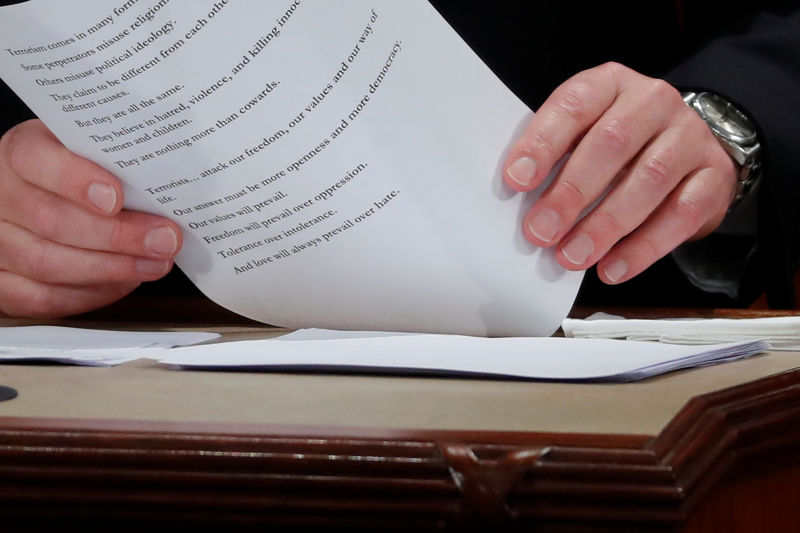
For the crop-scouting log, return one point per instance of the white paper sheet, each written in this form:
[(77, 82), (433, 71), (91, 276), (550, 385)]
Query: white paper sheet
[(91, 347), (550, 358), (783, 333), (332, 164)]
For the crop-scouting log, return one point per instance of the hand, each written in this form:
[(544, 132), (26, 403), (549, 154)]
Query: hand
[(65, 244), (667, 178)]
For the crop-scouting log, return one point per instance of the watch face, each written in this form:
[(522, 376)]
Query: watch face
[(725, 118)]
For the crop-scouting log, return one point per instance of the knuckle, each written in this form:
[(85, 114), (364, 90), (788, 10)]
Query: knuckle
[(614, 135), (613, 72), (690, 210), (570, 193), (571, 101), (660, 90), (69, 176), (115, 269), (649, 251), (117, 235), (13, 148), (35, 304), (45, 220), (26, 298), (539, 146), (612, 68), (608, 224), (657, 169), (35, 263)]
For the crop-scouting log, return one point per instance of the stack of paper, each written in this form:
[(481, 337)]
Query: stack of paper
[(783, 333), (89, 346), (544, 358)]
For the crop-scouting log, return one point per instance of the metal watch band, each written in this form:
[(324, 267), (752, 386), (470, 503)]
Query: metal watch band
[(745, 152)]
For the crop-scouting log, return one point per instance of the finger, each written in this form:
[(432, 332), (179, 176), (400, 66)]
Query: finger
[(698, 203), (561, 120), (610, 144), (62, 221), (23, 297), (34, 154), (28, 255), (654, 174)]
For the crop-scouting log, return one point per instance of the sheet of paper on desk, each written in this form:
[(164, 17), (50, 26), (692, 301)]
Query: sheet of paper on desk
[(331, 164), (545, 358), (782, 332), (90, 347)]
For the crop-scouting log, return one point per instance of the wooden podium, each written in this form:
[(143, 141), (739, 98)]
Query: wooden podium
[(709, 449)]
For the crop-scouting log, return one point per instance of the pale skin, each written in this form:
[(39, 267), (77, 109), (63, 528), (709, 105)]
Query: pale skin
[(67, 246), (670, 179)]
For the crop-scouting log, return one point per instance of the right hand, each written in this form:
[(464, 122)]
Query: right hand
[(667, 178), (66, 245)]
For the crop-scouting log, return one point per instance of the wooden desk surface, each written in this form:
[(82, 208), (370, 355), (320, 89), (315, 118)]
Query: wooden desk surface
[(428, 453), (145, 390)]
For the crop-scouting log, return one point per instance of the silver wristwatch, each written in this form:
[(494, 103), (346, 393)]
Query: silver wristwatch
[(735, 132)]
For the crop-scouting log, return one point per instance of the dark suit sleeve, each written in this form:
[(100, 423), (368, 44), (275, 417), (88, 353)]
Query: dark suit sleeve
[(12, 110), (760, 72)]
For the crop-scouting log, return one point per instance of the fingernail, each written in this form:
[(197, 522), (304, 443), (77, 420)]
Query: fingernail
[(615, 270), (152, 267), (578, 249), (522, 171), (161, 241), (102, 196), (545, 225)]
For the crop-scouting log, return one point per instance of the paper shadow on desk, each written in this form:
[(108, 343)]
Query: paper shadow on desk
[(416, 373)]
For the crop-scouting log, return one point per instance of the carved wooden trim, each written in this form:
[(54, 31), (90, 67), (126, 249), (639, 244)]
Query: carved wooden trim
[(109, 472), (485, 484)]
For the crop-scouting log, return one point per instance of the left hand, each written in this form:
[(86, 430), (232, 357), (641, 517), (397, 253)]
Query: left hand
[(668, 179), (66, 244)]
